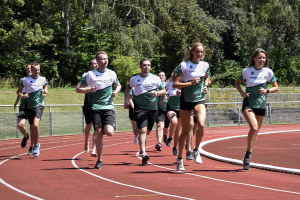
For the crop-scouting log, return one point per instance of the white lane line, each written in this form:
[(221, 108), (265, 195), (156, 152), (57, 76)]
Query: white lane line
[(220, 180), (12, 187), (27, 194), (239, 162), (123, 184), (259, 148)]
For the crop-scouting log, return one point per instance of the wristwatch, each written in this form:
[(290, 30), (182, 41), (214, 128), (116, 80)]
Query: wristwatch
[(268, 91)]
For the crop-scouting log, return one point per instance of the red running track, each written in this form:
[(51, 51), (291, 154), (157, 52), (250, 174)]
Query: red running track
[(64, 171)]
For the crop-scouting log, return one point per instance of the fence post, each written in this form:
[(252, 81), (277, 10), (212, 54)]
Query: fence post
[(17, 121), (269, 108), (239, 113), (82, 120), (207, 115), (50, 120), (115, 118)]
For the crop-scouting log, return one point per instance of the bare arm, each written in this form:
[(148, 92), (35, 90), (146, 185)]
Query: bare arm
[(275, 88), (130, 101), (127, 91), (82, 89), (237, 84), (20, 94), (117, 90), (179, 84)]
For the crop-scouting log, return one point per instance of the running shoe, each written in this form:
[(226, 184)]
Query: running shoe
[(169, 142), (197, 157), (30, 152), (24, 141), (175, 153), (165, 139), (158, 146), (246, 160), (136, 139), (189, 155), (36, 150), (145, 158), (98, 165), (180, 166)]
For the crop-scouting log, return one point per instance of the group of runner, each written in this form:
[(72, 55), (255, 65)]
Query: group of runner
[(178, 104)]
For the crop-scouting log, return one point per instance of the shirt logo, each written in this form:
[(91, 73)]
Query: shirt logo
[(191, 67), (30, 81), (138, 80), (252, 73)]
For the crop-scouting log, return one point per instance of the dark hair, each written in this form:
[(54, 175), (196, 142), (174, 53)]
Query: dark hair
[(92, 62), (256, 52), (144, 59)]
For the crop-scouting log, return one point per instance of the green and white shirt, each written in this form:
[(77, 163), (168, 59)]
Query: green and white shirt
[(143, 86), (188, 72), (34, 87), (255, 79), (87, 96), (101, 99), (164, 106), (174, 100)]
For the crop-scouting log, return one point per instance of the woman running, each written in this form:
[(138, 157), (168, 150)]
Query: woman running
[(257, 75), (192, 78), (173, 114)]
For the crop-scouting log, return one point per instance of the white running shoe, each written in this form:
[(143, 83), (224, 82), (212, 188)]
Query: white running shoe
[(180, 166), (197, 157), (136, 139)]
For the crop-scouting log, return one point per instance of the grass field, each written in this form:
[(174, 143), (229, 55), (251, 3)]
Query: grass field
[(69, 120)]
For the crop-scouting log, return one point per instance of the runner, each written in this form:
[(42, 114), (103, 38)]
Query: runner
[(35, 86), (192, 78), (257, 76), (162, 122), (145, 87), (87, 113), (100, 81), (173, 114), (132, 117), (22, 117)]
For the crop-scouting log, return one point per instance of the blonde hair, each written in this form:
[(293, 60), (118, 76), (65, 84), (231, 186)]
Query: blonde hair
[(256, 52), (34, 64), (172, 76), (100, 52), (189, 54)]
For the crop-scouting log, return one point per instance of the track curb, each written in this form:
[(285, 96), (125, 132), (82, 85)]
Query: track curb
[(239, 162)]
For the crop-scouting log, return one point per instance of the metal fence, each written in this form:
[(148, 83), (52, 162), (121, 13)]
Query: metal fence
[(72, 122)]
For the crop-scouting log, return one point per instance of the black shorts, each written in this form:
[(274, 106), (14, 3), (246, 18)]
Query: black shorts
[(101, 118), (22, 114), (131, 114), (162, 117), (190, 105), (145, 118), (87, 114), (33, 113), (170, 109), (256, 111)]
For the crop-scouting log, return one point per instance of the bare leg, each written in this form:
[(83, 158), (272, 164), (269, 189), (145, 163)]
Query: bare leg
[(142, 139), (185, 122), (21, 126), (200, 112), (255, 123), (35, 130), (159, 131), (99, 142), (87, 131)]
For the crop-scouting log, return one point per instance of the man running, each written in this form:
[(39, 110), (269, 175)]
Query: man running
[(87, 114), (35, 86), (22, 117), (100, 81), (145, 87)]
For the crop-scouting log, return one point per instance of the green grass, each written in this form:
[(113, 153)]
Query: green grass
[(68, 120)]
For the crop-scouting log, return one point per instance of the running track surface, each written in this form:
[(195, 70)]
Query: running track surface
[(64, 171)]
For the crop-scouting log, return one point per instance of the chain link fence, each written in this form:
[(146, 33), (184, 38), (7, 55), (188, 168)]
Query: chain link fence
[(72, 122)]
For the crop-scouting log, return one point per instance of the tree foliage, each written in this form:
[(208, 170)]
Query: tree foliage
[(65, 35)]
